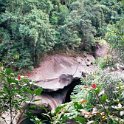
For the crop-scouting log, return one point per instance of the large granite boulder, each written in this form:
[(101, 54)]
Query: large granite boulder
[(56, 72)]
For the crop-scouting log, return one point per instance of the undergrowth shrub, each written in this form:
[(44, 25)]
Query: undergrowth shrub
[(15, 92), (99, 99), (115, 36), (104, 62)]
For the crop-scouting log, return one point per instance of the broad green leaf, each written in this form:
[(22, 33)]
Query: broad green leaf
[(97, 90), (58, 109), (80, 119), (103, 98), (38, 91), (77, 106), (8, 71), (11, 80)]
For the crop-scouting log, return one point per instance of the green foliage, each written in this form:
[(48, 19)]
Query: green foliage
[(115, 36), (104, 62), (30, 31), (12, 92), (59, 14), (30, 28), (15, 93), (93, 103), (68, 38)]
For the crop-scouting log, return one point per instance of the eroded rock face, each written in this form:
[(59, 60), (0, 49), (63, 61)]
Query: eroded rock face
[(55, 98), (55, 84), (50, 100), (57, 72), (56, 75)]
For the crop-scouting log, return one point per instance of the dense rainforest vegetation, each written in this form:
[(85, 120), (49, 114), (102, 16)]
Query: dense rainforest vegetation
[(29, 29)]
